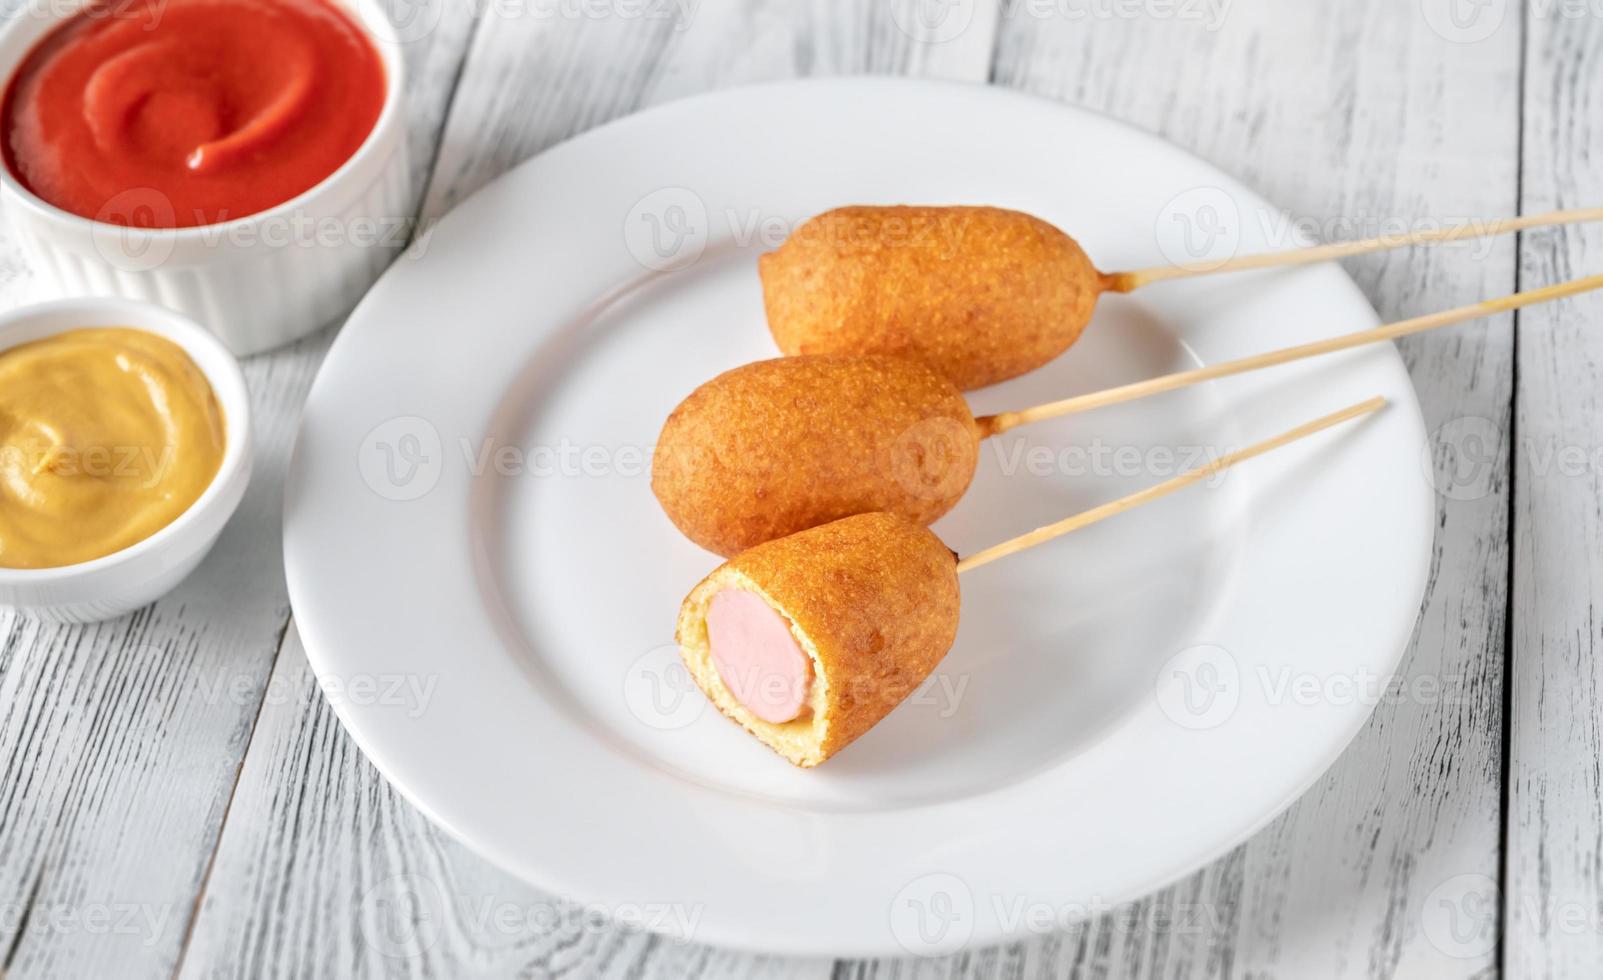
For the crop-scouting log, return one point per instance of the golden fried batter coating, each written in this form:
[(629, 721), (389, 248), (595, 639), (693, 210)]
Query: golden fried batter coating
[(980, 294), (872, 600), (779, 446)]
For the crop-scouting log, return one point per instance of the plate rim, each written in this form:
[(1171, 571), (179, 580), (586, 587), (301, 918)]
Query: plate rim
[(712, 930)]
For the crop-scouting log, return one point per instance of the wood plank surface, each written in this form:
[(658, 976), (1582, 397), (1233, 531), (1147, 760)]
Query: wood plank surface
[(120, 742), (177, 797), (1364, 110), (323, 869), (1553, 890)]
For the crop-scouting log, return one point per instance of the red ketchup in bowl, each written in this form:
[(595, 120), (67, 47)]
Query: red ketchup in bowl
[(191, 113)]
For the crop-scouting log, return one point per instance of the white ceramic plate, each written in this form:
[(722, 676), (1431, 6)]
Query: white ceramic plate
[(469, 515)]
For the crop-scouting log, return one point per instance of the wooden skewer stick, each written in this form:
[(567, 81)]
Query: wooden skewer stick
[(1124, 282), (991, 425), (1186, 479)]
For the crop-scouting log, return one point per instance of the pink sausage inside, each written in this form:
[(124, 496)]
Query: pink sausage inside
[(758, 659)]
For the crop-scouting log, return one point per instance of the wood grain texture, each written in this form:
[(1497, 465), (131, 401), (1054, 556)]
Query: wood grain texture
[(1553, 889), (120, 742), (123, 832), (531, 82), (1361, 110), (323, 869), (326, 871)]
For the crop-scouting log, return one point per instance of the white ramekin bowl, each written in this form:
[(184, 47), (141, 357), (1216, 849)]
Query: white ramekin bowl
[(127, 579), (257, 282)]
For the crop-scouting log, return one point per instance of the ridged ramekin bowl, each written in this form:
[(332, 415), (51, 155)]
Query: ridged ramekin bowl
[(257, 282), (140, 573)]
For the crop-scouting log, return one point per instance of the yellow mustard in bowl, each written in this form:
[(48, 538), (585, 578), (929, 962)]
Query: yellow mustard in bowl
[(107, 434)]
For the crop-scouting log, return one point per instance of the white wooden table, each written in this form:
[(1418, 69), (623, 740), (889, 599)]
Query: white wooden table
[(176, 797)]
